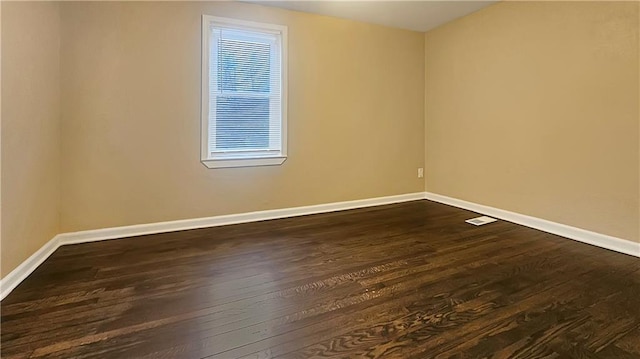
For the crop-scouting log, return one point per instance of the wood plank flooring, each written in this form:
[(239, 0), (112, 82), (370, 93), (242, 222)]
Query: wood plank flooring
[(410, 280)]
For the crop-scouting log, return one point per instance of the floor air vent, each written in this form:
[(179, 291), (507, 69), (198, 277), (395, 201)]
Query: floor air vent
[(480, 220)]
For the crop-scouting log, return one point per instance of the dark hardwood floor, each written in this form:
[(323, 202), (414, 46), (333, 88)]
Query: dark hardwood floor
[(410, 280)]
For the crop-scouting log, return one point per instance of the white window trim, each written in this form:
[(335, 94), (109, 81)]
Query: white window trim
[(267, 158)]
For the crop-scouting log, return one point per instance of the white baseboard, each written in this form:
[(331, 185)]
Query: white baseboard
[(11, 280), (16, 276), (578, 234), (180, 225)]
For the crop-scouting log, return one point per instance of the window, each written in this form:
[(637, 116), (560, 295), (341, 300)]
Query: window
[(244, 107)]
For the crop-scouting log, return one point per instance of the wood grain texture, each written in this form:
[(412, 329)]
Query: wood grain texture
[(408, 280)]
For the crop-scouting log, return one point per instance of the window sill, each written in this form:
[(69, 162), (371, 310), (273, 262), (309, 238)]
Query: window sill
[(244, 162)]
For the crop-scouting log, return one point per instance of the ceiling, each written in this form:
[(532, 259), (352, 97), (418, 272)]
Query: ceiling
[(411, 15)]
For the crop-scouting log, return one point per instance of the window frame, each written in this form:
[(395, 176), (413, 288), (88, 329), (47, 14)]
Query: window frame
[(241, 158)]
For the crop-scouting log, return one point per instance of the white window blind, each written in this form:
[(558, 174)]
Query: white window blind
[(244, 113)]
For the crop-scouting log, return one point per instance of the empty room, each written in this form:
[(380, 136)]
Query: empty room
[(320, 179)]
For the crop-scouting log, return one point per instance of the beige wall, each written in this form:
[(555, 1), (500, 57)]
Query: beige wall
[(529, 107), (30, 129), (131, 115), (533, 107)]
